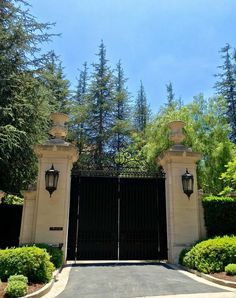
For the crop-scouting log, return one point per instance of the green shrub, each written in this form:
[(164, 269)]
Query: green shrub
[(211, 255), (182, 254), (13, 200), (230, 269), (32, 262), (56, 254), (18, 277), (16, 288), (220, 215)]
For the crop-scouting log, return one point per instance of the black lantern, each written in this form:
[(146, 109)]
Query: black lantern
[(51, 179), (187, 182)]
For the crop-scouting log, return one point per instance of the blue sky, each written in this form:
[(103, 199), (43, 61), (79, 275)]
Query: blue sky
[(157, 40)]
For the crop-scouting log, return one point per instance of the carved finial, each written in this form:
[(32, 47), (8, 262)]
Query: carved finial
[(176, 134), (58, 130)]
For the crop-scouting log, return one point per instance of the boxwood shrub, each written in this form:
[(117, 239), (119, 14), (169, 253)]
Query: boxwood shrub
[(32, 262), (230, 269), (18, 277), (220, 215), (16, 288), (211, 255), (56, 254)]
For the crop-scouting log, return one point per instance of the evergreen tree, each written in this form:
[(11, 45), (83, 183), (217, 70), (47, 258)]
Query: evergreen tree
[(122, 126), (58, 87), (171, 102), (79, 110), (24, 107), (141, 110), (100, 102), (226, 86)]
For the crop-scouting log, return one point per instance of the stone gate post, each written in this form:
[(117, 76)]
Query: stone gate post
[(45, 218), (183, 214)]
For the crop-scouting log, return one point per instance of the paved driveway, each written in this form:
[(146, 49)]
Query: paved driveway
[(133, 280)]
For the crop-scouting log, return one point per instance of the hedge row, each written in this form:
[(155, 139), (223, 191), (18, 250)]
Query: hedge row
[(220, 215), (211, 255)]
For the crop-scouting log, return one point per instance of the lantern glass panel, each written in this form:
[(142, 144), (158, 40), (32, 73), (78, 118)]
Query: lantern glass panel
[(187, 183), (51, 179)]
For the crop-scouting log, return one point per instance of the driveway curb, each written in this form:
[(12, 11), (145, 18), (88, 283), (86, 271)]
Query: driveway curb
[(44, 290), (208, 277)]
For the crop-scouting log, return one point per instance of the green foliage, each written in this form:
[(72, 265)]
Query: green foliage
[(182, 254), (206, 132), (121, 129), (141, 110), (13, 200), (230, 269), (79, 112), (19, 277), (226, 86), (57, 86), (220, 215), (56, 254), (32, 262), (229, 177), (16, 288), (100, 102), (211, 255), (24, 99)]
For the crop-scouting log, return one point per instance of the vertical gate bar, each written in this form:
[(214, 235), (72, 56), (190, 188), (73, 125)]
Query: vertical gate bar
[(158, 218), (118, 221), (77, 222)]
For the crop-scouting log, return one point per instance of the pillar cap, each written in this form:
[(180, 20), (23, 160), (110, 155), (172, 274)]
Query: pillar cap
[(178, 156)]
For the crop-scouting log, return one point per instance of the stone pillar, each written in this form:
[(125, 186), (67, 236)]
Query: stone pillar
[(183, 219), (26, 232), (45, 219)]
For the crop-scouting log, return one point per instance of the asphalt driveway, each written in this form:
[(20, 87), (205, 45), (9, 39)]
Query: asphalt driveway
[(131, 280)]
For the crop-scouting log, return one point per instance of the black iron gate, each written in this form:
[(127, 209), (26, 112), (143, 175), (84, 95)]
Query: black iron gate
[(117, 218), (10, 223)]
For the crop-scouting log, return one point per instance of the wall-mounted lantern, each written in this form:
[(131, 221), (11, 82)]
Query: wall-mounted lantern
[(187, 183), (51, 179)]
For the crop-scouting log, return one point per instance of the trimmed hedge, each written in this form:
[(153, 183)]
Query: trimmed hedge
[(220, 215), (16, 289), (230, 269), (56, 254), (19, 277), (32, 262), (16, 286), (211, 255)]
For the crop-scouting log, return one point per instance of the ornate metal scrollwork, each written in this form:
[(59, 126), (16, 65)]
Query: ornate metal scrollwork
[(122, 164)]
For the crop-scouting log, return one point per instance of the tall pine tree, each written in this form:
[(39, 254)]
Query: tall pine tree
[(171, 102), (80, 111), (122, 123), (100, 102), (57, 85), (141, 110), (226, 86)]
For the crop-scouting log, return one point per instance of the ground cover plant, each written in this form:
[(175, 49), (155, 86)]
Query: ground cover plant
[(211, 255)]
